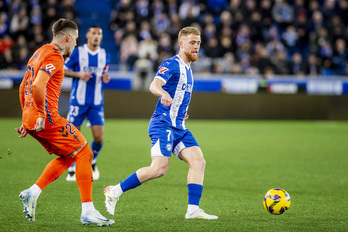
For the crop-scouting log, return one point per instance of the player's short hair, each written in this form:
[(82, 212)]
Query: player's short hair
[(93, 26), (63, 25), (188, 31)]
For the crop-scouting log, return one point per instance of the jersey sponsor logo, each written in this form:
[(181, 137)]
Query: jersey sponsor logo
[(163, 70), (187, 87), (92, 69), (50, 67)]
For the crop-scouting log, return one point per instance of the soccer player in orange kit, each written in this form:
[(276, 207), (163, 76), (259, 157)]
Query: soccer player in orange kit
[(39, 93)]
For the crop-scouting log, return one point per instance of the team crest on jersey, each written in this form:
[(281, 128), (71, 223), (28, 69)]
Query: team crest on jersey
[(169, 147), (163, 70)]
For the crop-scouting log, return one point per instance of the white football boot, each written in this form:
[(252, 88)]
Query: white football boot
[(110, 200), (29, 204), (200, 214), (95, 218)]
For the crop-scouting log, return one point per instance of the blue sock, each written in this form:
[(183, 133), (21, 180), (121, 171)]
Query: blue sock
[(130, 182), (194, 193), (96, 148)]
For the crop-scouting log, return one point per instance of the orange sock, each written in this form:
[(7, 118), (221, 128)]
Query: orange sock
[(84, 177), (53, 170)]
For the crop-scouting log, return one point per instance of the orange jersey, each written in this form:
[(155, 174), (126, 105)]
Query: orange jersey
[(49, 59)]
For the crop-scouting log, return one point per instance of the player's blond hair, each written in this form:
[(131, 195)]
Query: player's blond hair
[(188, 31)]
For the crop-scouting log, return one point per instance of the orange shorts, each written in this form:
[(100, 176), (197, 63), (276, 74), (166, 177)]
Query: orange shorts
[(62, 138)]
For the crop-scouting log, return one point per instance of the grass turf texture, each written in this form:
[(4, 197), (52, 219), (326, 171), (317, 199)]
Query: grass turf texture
[(244, 160)]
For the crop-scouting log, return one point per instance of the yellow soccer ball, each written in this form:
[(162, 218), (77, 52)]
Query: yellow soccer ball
[(277, 201)]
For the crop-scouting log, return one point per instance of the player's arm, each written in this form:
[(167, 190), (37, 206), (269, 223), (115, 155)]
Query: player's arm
[(22, 132), (106, 77), (21, 93), (81, 75), (39, 95), (157, 90)]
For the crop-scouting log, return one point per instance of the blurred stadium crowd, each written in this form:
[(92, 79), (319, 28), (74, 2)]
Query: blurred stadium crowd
[(296, 37), (26, 25)]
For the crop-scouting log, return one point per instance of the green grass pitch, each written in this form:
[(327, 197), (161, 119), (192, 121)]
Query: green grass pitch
[(245, 159)]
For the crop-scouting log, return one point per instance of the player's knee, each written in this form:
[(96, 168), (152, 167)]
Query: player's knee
[(199, 164), (159, 171)]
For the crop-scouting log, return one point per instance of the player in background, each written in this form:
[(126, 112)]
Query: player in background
[(173, 83), (39, 93), (88, 65)]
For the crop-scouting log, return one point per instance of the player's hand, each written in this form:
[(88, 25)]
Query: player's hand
[(186, 116), (40, 124), (22, 132), (166, 99), (84, 76), (106, 78)]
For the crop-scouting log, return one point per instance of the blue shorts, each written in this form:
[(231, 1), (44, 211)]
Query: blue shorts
[(94, 115), (166, 139)]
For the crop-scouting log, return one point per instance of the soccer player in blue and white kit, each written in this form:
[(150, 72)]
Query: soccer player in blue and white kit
[(173, 83), (88, 65)]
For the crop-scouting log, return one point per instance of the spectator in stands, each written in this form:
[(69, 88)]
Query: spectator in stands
[(339, 58), (266, 12), (263, 61), (225, 63), (188, 7), (283, 14), (317, 22), (174, 26), (281, 64), (297, 66), (161, 23), (3, 6), (299, 7), (143, 73), (275, 45), (165, 45), (4, 24), (312, 66), (20, 23), (36, 16), (328, 9), (148, 48), (326, 69), (290, 38), (342, 10), (325, 49), (212, 48), (256, 27), (128, 52), (303, 30), (6, 58), (226, 44), (142, 10)]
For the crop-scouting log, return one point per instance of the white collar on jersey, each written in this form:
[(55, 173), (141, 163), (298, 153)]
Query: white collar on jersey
[(182, 61), (90, 51)]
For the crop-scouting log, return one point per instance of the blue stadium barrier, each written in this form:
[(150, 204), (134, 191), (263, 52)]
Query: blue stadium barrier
[(236, 84)]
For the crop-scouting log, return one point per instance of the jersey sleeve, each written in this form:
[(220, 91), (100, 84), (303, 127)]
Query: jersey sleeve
[(106, 68), (108, 57), (164, 71), (72, 62), (52, 63)]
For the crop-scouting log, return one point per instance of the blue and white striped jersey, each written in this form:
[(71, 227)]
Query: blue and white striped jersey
[(178, 80), (84, 60)]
